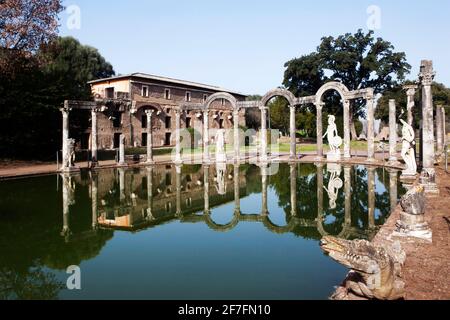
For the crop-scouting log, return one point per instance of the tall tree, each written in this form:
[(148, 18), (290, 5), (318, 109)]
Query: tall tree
[(357, 60), (24, 26), (30, 119)]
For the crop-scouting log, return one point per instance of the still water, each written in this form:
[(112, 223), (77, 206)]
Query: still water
[(191, 232)]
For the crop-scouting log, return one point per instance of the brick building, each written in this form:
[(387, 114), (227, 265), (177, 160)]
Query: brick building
[(164, 96)]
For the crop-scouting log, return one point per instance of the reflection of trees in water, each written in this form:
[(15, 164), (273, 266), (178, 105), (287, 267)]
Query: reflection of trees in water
[(30, 237), (33, 284)]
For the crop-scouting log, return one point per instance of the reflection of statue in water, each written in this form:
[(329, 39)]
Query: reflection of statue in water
[(220, 146), (220, 180), (335, 183), (334, 141), (408, 153)]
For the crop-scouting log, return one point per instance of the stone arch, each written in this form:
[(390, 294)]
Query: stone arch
[(333, 85), (279, 93), (221, 95)]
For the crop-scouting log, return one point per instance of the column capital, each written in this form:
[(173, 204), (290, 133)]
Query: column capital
[(65, 109), (150, 112), (263, 108), (410, 89), (426, 75)]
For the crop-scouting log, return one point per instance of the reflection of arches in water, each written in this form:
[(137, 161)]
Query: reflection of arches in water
[(220, 227), (272, 227), (343, 234)]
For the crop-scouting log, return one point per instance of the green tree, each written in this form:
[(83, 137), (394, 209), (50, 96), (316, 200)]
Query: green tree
[(357, 60), (279, 114), (441, 96), (30, 125)]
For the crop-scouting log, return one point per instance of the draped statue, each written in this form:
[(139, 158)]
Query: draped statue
[(334, 141), (408, 149)]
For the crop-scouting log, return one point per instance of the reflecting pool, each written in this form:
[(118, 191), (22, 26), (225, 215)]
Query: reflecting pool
[(190, 232)]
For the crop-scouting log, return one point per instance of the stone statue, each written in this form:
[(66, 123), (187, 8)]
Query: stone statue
[(220, 180), (375, 270), (412, 220), (335, 183), (69, 157), (408, 152), (334, 141), (221, 155)]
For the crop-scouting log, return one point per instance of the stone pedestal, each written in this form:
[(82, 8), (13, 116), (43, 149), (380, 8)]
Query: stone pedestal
[(412, 220)]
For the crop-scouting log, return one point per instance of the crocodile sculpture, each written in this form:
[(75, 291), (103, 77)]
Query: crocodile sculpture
[(375, 271)]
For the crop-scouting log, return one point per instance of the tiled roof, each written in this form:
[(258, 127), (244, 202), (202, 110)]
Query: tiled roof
[(169, 80)]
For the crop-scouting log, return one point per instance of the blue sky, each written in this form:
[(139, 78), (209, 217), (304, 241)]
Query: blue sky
[(243, 45)]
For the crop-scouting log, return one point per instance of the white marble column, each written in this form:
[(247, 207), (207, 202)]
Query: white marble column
[(122, 150), (428, 176), (319, 108), (206, 157), (347, 133), (293, 178), (370, 129), (149, 114), (393, 139), (293, 153), (264, 176), (65, 132), (439, 134), (206, 189), (94, 200), (410, 93), (178, 159), (237, 146), (444, 127), (263, 134), (371, 194), (237, 195), (94, 137)]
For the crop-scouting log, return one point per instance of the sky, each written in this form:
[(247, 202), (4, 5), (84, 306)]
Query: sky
[(243, 45)]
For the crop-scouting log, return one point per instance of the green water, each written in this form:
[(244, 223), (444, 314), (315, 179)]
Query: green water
[(201, 233)]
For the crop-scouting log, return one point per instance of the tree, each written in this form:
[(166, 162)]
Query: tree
[(24, 26), (441, 96), (30, 125), (357, 60), (279, 114)]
